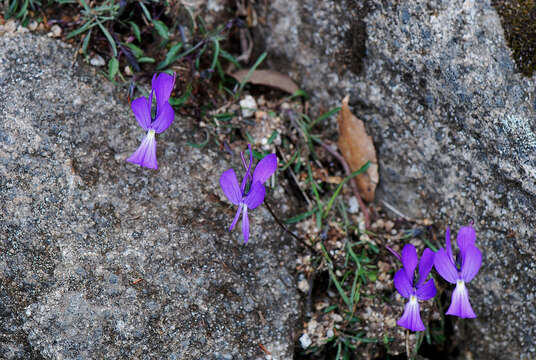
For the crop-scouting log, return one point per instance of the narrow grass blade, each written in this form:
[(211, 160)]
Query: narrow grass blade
[(216, 55), (136, 51), (324, 117), (250, 72), (334, 277), (161, 29), (23, 10), (108, 37), (300, 217), (171, 56), (339, 188), (113, 68), (145, 11), (146, 59), (135, 30), (85, 44), (224, 54), (88, 25)]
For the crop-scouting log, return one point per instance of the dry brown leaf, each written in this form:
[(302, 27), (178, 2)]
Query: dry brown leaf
[(268, 78), (357, 148)]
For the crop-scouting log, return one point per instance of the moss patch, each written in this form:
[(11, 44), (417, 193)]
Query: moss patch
[(518, 18)]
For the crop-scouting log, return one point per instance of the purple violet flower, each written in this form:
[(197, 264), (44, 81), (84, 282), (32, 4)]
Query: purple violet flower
[(461, 271), (162, 86), (255, 196), (414, 289)]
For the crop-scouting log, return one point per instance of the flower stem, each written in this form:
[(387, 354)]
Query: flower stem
[(300, 240)]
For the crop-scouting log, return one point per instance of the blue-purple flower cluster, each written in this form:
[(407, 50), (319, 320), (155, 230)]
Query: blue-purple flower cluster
[(250, 194), (156, 120), (162, 86), (242, 196), (457, 270)]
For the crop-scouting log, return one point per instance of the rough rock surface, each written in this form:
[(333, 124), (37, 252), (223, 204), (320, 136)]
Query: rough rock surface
[(453, 122), (79, 227)]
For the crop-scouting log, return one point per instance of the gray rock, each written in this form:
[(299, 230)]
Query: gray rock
[(454, 127), (79, 226)]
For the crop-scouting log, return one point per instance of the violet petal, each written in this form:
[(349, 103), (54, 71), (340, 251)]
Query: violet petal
[(236, 217), (411, 319), (229, 185), (163, 86), (265, 168), (403, 283), (460, 305), (471, 261), (425, 265), (466, 237), (255, 196), (445, 267), (142, 111), (409, 260), (165, 117), (145, 155), (427, 290)]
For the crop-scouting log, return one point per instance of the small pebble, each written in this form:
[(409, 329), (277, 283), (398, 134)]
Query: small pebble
[(55, 31), (353, 205), (336, 317), (303, 285), (305, 341), (248, 106), (11, 26), (97, 60), (33, 25)]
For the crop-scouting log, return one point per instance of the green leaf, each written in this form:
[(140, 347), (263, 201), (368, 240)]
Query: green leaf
[(23, 10), (333, 277), (324, 117), (292, 159), (113, 68), (430, 245), (339, 188), (145, 11), (216, 43), (81, 29), (298, 93), (86, 42), (183, 98), (171, 56), (250, 72), (300, 217), (330, 308), (86, 7), (12, 8), (136, 51), (109, 37), (146, 59), (161, 29), (272, 137), (224, 116), (135, 30), (224, 54)]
